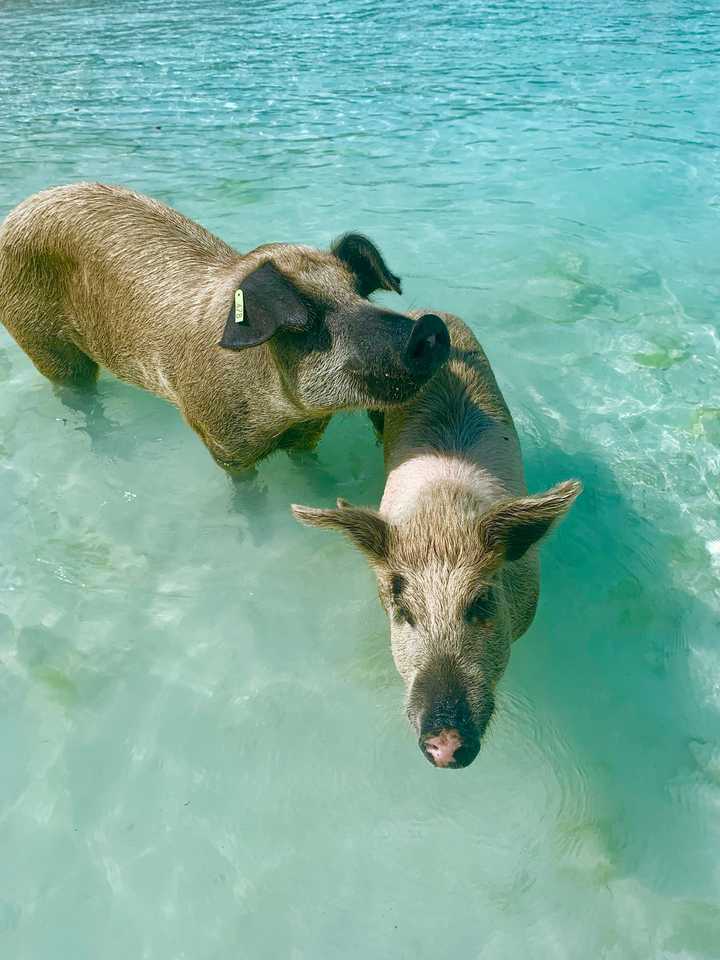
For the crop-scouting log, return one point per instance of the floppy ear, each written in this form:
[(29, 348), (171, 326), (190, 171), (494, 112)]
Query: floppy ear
[(366, 528), (512, 527), (365, 262), (264, 302)]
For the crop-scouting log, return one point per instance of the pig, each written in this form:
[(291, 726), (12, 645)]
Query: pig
[(257, 350), (454, 547)]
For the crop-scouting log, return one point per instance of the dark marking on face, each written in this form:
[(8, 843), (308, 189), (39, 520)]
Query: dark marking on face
[(440, 701), (483, 607), (390, 355), (401, 613)]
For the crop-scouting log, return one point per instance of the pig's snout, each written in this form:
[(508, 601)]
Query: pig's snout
[(428, 346), (388, 355), (442, 747), (449, 729), (449, 748)]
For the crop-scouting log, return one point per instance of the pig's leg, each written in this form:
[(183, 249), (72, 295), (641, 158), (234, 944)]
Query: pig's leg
[(98, 426), (301, 439), (250, 499), (223, 431), (60, 361), (240, 468), (34, 314), (230, 450)]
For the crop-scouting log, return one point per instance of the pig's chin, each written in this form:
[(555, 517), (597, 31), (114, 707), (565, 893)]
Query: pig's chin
[(386, 389)]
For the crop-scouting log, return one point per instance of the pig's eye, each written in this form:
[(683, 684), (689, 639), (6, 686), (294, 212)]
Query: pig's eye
[(403, 615), (482, 608)]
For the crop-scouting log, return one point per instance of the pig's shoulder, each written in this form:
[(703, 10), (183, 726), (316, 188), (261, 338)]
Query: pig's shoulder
[(470, 370)]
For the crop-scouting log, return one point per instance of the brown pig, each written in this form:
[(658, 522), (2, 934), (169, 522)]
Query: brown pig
[(453, 546), (256, 349)]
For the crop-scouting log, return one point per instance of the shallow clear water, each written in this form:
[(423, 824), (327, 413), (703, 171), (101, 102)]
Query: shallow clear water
[(203, 748)]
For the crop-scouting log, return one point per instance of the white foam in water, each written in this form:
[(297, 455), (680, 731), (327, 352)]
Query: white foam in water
[(204, 753)]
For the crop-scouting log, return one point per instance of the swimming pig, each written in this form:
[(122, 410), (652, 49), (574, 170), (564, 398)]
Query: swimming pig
[(453, 546), (257, 349)]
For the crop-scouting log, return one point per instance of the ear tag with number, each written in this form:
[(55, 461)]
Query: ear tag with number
[(239, 306)]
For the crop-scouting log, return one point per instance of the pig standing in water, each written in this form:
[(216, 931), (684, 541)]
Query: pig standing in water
[(453, 547), (257, 350)]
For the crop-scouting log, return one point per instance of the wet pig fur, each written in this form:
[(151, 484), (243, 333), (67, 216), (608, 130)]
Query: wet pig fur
[(94, 275), (454, 547)]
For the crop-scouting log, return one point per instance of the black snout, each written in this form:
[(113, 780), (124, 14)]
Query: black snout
[(428, 346), (448, 735), (390, 357), (450, 731), (462, 755)]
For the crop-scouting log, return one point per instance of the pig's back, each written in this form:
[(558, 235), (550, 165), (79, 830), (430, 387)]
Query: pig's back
[(109, 225), (127, 270), (461, 412), (459, 429)]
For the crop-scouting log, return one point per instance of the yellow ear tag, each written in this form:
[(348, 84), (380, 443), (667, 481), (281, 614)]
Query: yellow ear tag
[(239, 307)]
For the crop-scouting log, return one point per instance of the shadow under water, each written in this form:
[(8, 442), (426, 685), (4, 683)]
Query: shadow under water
[(613, 662)]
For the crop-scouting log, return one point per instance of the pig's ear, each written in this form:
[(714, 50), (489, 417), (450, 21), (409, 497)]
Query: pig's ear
[(366, 528), (512, 527), (265, 302), (365, 262)]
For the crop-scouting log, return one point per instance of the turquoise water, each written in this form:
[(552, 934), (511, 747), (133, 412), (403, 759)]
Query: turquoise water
[(203, 748)]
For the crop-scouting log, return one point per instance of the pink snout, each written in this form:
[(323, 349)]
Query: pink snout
[(441, 747)]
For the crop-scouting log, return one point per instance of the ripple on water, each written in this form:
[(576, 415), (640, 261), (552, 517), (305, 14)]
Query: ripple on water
[(203, 741), (562, 797)]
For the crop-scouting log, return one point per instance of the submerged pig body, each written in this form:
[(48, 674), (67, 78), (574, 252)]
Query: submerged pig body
[(454, 547), (257, 349)]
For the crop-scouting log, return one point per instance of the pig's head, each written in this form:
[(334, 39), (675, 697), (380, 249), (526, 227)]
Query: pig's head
[(451, 578), (334, 349)]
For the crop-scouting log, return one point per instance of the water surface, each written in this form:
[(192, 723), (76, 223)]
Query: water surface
[(203, 749)]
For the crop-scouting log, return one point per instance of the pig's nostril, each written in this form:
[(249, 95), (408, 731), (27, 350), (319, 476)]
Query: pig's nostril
[(424, 347), (429, 344), (441, 746)]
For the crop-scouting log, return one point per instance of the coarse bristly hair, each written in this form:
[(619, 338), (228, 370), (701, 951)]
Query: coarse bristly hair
[(94, 275), (454, 544)]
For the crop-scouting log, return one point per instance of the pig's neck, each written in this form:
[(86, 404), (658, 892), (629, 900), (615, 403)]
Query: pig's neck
[(416, 472)]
